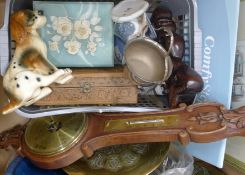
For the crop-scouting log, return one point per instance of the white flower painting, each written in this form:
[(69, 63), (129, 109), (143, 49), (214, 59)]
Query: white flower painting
[(75, 33), (62, 25), (91, 47), (72, 47), (54, 46), (82, 29)]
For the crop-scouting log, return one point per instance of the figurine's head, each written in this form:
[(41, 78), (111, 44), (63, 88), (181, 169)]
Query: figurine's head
[(23, 22), (162, 17)]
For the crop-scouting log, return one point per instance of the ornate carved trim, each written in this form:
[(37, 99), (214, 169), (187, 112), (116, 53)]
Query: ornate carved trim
[(12, 137), (234, 118)]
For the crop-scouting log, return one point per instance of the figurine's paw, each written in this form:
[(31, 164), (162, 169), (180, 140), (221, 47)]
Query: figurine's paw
[(65, 77), (60, 72), (67, 71)]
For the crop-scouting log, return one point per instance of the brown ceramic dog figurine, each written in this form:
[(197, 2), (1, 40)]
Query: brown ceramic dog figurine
[(29, 72), (183, 80)]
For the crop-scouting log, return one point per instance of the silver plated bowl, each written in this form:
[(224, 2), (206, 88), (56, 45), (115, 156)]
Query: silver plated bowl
[(147, 61)]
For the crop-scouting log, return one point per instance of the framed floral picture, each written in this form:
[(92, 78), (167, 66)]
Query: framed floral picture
[(78, 34)]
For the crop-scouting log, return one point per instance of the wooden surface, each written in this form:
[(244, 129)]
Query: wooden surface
[(212, 170), (2, 10), (94, 86), (7, 122), (7, 155), (201, 123), (229, 170)]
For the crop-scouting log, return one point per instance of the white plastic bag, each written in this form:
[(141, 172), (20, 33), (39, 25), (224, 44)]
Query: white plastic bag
[(178, 162)]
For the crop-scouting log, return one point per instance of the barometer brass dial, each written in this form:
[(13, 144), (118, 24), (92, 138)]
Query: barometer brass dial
[(53, 135)]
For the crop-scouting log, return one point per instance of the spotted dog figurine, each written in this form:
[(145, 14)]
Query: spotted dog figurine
[(29, 73)]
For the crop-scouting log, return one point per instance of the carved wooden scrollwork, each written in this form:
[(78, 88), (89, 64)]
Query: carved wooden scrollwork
[(202, 123), (12, 137), (235, 118)]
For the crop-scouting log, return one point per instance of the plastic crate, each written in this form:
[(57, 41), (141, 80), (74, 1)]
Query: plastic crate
[(184, 13)]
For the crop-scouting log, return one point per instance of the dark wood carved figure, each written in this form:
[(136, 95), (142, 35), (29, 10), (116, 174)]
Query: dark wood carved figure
[(162, 17), (162, 21), (183, 80)]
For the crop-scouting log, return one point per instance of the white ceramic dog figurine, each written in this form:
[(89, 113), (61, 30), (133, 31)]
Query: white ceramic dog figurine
[(29, 72)]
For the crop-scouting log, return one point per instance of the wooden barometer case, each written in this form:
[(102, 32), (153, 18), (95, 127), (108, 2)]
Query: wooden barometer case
[(56, 142)]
